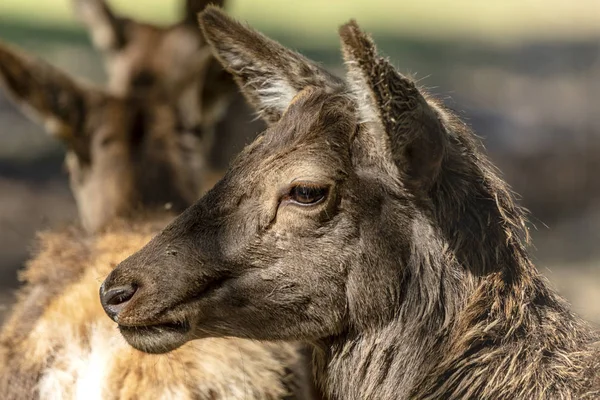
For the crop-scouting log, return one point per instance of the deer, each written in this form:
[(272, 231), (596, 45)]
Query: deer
[(174, 60), (132, 168), (366, 221)]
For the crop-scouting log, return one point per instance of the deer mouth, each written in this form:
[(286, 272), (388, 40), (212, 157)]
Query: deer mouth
[(157, 338), (171, 332)]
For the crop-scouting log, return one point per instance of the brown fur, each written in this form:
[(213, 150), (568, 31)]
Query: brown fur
[(367, 221)]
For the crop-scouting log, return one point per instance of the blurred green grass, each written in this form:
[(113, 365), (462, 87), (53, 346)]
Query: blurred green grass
[(317, 20), (431, 37), (417, 30), (421, 31)]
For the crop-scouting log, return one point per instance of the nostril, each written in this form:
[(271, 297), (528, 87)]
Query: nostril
[(115, 299), (119, 295)]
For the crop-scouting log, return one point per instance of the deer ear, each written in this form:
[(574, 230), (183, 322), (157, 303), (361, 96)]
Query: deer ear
[(108, 31), (398, 117), (43, 92), (218, 89), (268, 74), (205, 91)]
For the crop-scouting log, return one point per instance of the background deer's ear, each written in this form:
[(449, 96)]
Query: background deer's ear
[(268, 74), (193, 7), (400, 121), (108, 31), (43, 93), (219, 88), (205, 91)]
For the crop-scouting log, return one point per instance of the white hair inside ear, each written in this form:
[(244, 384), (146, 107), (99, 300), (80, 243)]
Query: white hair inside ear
[(275, 93), (359, 87)]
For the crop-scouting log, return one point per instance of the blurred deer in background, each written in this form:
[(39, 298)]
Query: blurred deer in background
[(128, 157), (102, 122), (123, 152), (367, 221), (145, 58)]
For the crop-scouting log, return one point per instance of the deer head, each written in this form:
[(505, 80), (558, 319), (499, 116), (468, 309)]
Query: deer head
[(123, 153), (329, 222), (173, 60)]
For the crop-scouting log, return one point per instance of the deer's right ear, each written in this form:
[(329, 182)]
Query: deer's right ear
[(43, 92), (268, 74), (108, 31)]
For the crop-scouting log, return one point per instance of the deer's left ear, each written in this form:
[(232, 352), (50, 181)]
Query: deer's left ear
[(45, 93), (400, 122)]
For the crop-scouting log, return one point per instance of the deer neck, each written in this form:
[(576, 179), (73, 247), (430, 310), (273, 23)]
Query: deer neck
[(432, 358), (432, 353), (387, 360), (376, 365), (452, 329)]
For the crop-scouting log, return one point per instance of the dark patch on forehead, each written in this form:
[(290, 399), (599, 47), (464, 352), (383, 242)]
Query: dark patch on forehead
[(156, 178), (139, 125), (144, 80), (318, 126), (139, 115)]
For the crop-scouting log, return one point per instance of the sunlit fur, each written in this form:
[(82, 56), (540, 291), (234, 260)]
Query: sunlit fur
[(59, 344), (411, 279)]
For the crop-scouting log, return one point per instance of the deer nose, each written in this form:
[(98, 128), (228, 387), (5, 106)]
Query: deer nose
[(116, 298)]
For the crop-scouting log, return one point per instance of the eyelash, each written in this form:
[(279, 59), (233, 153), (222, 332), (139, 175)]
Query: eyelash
[(306, 194)]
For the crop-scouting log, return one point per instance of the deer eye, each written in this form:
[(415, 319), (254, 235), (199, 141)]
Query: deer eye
[(107, 140), (307, 195)]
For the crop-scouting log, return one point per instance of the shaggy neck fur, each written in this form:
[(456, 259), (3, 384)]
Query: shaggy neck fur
[(387, 359), (475, 319)]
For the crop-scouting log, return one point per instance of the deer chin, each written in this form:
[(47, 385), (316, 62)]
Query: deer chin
[(157, 338), (158, 335)]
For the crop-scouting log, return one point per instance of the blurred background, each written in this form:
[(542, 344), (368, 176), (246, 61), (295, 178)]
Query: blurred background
[(524, 74)]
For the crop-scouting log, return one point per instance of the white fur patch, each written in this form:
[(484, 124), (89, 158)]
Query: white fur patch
[(367, 111), (79, 369), (102, 350), (276, 94)]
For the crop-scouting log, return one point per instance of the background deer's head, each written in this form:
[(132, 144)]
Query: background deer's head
[(124, 153)]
